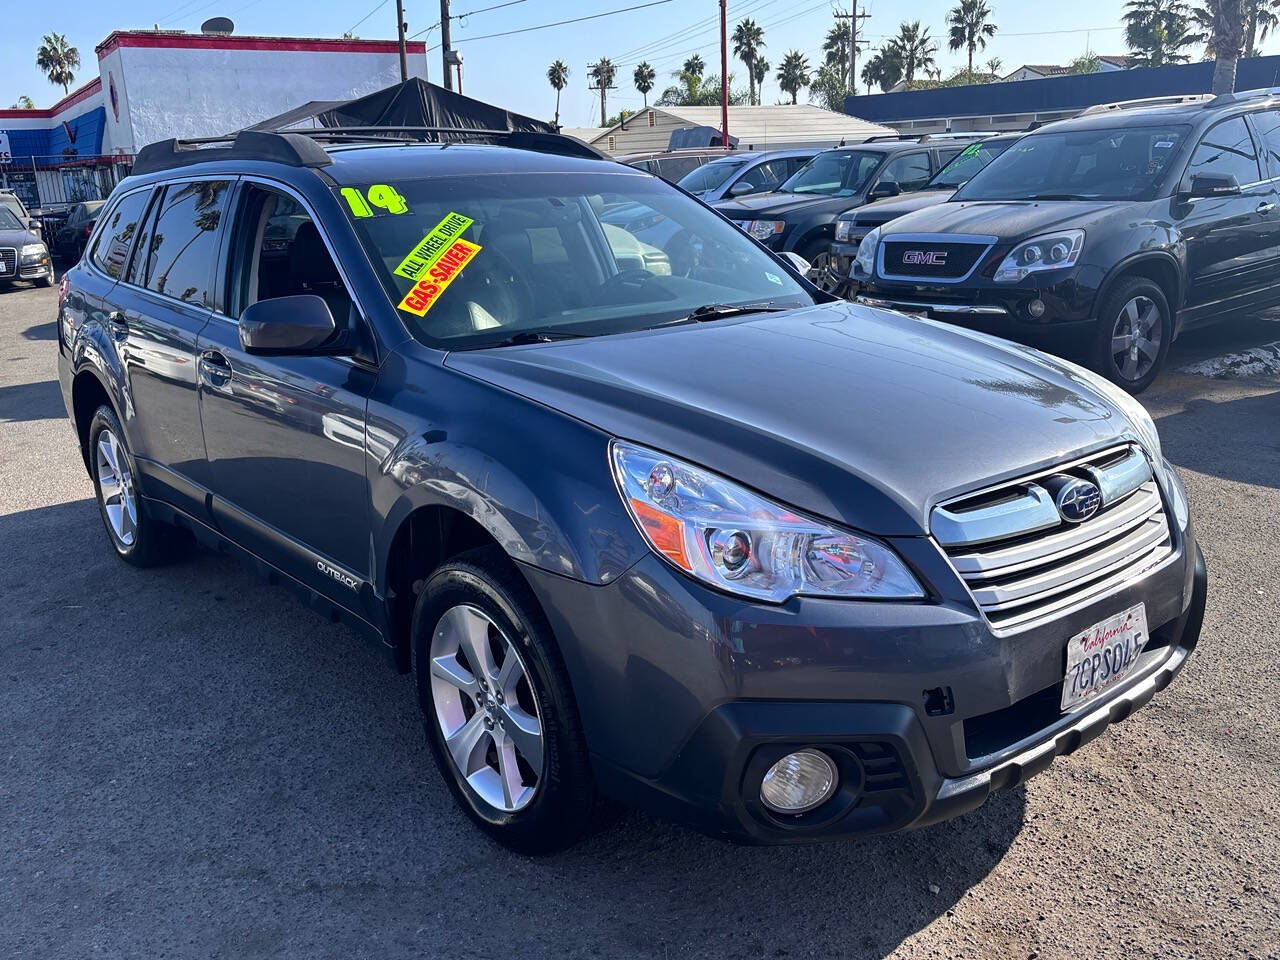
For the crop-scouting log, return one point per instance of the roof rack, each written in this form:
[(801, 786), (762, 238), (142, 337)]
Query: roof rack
[(302, 148), (1167, 101), (287, 148), (1262, 93), (926, 137)]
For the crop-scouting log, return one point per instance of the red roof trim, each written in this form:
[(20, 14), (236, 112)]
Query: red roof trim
[(198, 41), (66, 103)]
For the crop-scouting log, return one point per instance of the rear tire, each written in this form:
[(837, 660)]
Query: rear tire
[(1135, 328), (506, 735), (138, 538)]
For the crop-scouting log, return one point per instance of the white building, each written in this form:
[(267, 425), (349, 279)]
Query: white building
[(754, 128)]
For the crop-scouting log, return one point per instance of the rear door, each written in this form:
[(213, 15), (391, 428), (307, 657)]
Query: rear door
[(910, 171), (158, 311), (1266, 128), (1229, 241)]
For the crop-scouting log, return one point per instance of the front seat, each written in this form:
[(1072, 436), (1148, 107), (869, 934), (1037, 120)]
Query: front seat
[(312, 270)]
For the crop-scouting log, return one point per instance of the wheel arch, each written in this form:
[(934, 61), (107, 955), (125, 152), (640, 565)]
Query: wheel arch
[(1157, 266), (88, 393)]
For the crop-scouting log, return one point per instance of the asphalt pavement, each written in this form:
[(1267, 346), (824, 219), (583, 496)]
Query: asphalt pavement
[(192, 764)]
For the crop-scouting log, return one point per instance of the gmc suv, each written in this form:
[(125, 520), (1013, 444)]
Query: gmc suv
[(1101, 237), (662, 523)]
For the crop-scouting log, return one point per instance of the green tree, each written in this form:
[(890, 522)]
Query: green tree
[(1222, 31), (697, 91), (1258, 16), (914, 48), (882, 69), (793, 75), (558, 77), (643, 78), (59, 60), (971, 27), (748, 41), (690, 89), (836, 50), (761, 71), (1085, 63), (23, 103), (602, 72), (827, 87), (1158, 31)]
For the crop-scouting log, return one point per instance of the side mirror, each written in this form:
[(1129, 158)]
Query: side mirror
[(298, 324), (741, 188), (1212, 185), (884, 189), (800, 264), (34, 226)]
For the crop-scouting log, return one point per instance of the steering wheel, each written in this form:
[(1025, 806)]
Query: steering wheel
[(627, 277)]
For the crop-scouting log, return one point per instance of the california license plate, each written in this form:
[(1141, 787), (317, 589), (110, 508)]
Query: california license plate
[(1103, 655)]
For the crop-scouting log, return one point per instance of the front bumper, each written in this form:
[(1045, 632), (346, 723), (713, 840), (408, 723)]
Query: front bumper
[(687, 695)]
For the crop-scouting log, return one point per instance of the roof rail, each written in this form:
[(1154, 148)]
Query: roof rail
[(1167, 101), (287, 148), (1261, 93), (926, 137), (554, 143)]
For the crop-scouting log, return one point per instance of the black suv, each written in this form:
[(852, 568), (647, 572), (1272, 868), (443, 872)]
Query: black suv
[(1101, 237), (658, 521), (799, 217)]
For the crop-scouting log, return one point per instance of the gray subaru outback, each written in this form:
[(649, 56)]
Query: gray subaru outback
[(651, 521)]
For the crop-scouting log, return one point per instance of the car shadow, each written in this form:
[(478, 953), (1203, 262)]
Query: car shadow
[(1235, 439), (197, 758), (31, 401), (42, 331)]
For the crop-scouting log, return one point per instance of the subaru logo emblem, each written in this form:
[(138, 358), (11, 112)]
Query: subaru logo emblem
[(1078, 500)]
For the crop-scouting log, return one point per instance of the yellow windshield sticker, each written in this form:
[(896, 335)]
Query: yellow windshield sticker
[(447, 265), (432, 246), (385, 198)]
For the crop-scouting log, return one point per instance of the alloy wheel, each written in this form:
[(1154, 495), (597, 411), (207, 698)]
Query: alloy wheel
[(116, 490), (486, 709), (821, 273), (1136, 338)]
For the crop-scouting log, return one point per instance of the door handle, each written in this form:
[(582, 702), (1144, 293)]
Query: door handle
[(119, 327), (215, 371), (1266, 207)]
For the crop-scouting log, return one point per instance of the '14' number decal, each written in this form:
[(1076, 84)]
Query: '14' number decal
[(379, 195)]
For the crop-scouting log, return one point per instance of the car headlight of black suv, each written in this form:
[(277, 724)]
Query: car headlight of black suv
[(1051, 251)]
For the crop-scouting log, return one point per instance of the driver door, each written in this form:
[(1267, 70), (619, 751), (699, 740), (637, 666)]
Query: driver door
[(285, 435)]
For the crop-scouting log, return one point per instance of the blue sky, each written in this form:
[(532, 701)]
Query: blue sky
[(511, 70)]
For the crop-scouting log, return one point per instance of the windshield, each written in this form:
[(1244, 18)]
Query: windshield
[(966, 163), (8, 221), (472, 261), (836, 173), (710, 175), (1111, 164)]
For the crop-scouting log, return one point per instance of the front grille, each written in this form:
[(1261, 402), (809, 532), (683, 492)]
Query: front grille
[(9, 260), (1023, 562), (925, 258)]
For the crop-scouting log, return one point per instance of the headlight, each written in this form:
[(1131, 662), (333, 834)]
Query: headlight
[(34, 252), (764, 229), (864, 263), (740, 542), (842, 230), (1050, 252)]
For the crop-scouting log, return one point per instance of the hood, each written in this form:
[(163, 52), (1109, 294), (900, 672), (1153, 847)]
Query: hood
[(754, 206), (882, 211), (16, 238), (858, 415), (1007, 219)]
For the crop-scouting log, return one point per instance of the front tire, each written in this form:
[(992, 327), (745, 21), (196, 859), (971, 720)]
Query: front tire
[(1135, 328), (498, 708), (138, 538)]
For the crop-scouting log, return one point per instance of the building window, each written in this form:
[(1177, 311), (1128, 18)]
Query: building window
[(612, 143), (653, 119)]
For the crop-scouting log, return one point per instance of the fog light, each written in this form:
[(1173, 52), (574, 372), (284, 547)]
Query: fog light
[(1036, 308), (798, 782)]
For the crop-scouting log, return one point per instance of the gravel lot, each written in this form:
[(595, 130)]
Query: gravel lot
[(194, 765)]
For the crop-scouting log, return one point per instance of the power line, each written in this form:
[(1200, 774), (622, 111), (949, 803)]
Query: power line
[(561, 23), (367, 15), (469, 13)]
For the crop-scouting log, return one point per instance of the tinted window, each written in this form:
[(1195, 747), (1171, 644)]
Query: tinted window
[(711, 175), (1268, 124), (910, 172), (768, 175), (1227, 149), (673, 168), (1119, 163), (972, 159), (185, 241), (836, 173), (112, 250)]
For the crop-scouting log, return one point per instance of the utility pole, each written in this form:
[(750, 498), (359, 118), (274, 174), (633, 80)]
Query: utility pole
[(404, 59), (724, 73), (853, 19), (445, 49), (604, 94)]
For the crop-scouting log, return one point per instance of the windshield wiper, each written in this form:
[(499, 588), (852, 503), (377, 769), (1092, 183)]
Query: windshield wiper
[(535, 336), (718, 311), (1058, 196)]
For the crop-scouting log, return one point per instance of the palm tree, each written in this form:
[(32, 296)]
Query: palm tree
[(836, 48), (794, 73), (914, 48), (643, 79), (882, 69), (58, 59), (1158, 30), (761, 71), (1223, 34), (602, 72), (690, 74), (558, 77), (748, 41), (971, 27), (1259, 19)]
